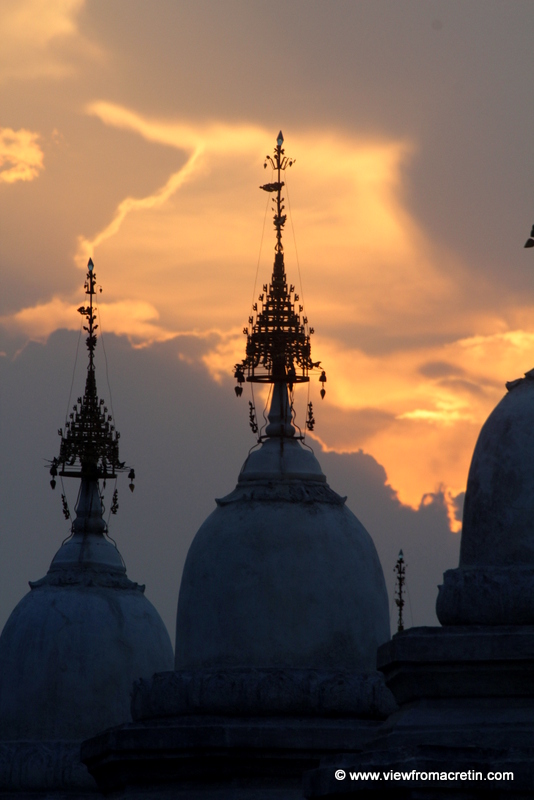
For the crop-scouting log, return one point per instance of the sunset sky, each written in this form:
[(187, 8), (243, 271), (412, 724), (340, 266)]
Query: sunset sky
[(135, 132)]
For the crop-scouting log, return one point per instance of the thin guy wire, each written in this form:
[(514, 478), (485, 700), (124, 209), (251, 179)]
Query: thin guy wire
[(106, 363), (294, 241), (74, 371), (261, 247)]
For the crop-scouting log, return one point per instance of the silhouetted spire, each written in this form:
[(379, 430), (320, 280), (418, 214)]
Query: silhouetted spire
[(278, 340), (89, 444)]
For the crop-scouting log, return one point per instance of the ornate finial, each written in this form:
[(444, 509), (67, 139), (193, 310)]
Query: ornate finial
[(278, 339), (89, 444), (400, 569), (279, 163)]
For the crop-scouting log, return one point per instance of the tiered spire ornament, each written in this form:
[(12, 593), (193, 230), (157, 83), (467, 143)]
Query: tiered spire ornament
[(89, 444), (278, 339)]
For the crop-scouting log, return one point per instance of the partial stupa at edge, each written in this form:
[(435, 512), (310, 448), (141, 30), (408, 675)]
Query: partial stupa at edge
[(73, 646), (464, 689), (494, 581)]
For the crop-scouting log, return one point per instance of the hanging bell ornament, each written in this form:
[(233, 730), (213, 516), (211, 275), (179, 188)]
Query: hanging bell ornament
[(322, 380)]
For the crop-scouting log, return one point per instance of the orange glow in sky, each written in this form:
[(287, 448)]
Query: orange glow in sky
[(182, 259), (417, 346)]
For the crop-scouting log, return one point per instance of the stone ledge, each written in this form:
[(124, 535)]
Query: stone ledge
[(87, 578), (208, 757), (487, 595), (31, 766), (262, 692), (459, 661)]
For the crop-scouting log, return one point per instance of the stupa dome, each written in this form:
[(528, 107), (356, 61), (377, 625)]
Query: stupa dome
[(282, 574), (494, 583), (282, 605), (74, 645)]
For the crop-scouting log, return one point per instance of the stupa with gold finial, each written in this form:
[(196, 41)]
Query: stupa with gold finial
[(290, 578), (73, 646), (282, 606)]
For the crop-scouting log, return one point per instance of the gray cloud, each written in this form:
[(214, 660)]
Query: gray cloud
[(439, 369), (458, 89), (187, 440)]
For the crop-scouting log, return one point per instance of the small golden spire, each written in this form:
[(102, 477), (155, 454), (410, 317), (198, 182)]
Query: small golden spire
[(89, 446)]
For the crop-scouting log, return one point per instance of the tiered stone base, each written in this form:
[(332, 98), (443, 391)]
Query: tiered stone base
[(50, 770), (466, 697), (241, 734)]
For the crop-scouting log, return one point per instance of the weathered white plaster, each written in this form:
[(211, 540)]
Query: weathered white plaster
[(281, 574), (69, 656)]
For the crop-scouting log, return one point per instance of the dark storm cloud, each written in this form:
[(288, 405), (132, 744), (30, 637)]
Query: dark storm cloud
[(450, 376), (463, 386), (363, 423), (187, 442), (424, 536), (439, 369), (447, 83)]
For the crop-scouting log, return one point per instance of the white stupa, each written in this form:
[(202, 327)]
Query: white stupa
[(282, 574), (282, 607), (73, 646)]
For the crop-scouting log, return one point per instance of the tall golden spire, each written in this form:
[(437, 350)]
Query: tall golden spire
[(278, 339)]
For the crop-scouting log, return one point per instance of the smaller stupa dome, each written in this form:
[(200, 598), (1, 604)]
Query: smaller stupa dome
[(74, 645), (494, 583)]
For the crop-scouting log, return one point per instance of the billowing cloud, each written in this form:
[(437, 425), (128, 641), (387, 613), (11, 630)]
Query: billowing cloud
[(183, 261), (434, 420), (30, 33), (21, 157), (410, 203), (352, 224), (137, 320)]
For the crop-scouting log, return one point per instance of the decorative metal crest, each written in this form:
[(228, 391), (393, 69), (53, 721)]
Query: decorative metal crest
[(278, 339), (90, 444)]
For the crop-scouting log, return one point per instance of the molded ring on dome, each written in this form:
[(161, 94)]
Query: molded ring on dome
[(262, 692)]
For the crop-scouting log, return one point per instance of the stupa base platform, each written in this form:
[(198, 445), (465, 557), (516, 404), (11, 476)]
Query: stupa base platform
[(465, 726), (268, 730)]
